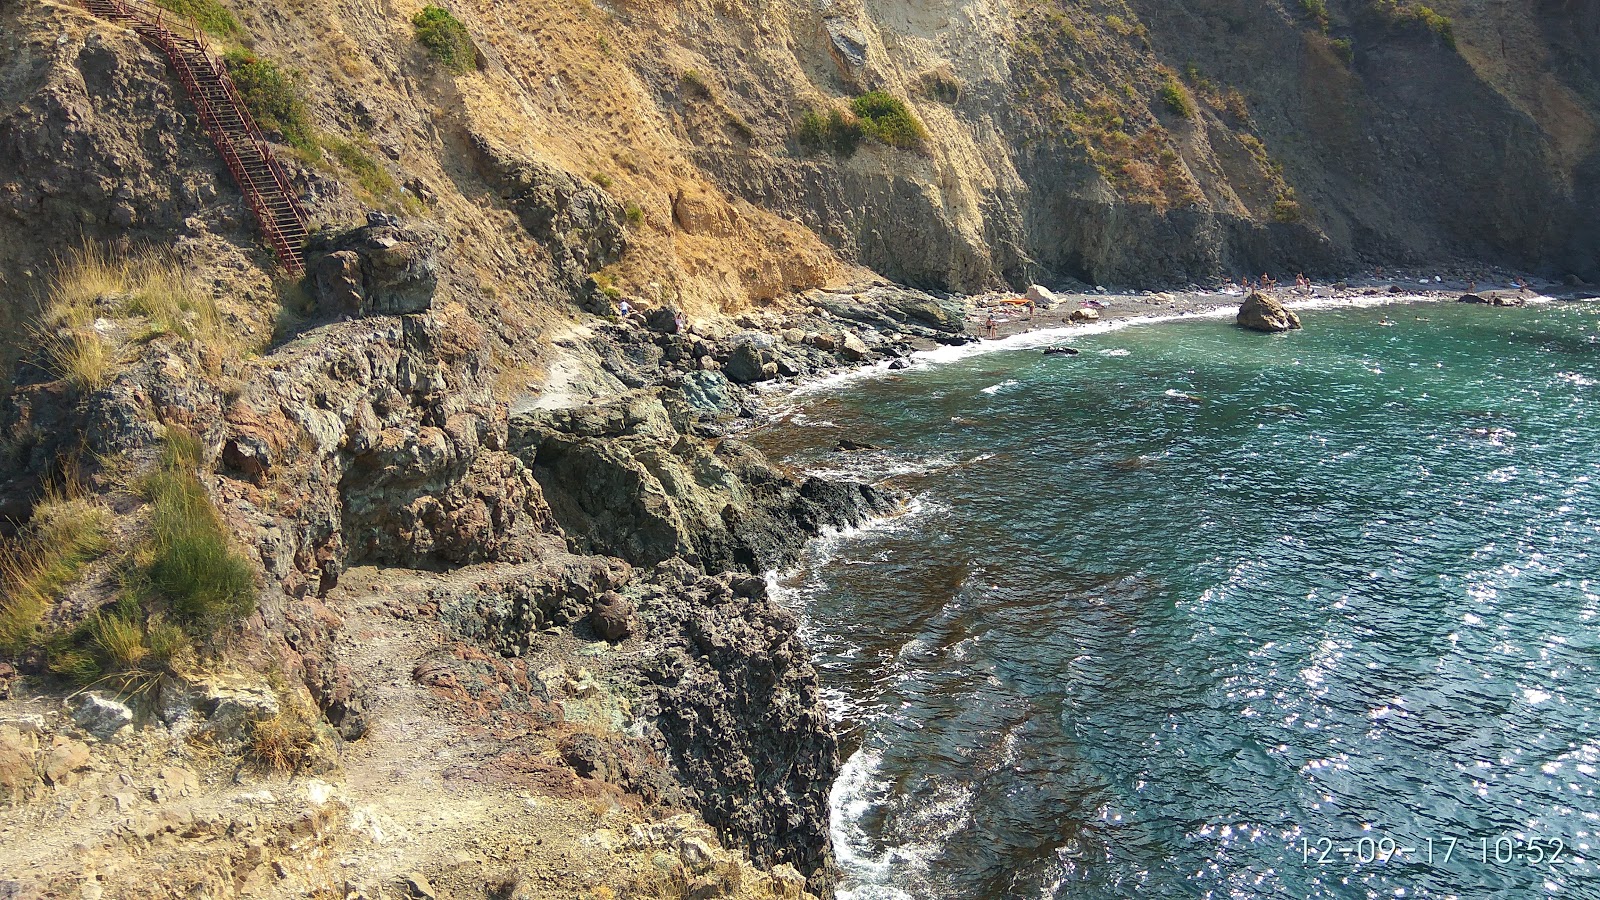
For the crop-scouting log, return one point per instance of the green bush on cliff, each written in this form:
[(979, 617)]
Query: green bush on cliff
[(1176, 97), (830, 132), (213, 17), (446, 38), (887, 119), (1317, 10), (274, 98), (193, 567), (1396, 12)]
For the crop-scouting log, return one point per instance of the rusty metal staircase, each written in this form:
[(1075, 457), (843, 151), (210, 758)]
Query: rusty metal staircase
[(243, 148)]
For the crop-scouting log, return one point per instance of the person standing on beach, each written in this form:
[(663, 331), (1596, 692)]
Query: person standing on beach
[(990, 326)]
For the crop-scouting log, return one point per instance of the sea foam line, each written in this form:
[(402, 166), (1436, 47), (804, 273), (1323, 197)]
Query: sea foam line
[(1030, 340)]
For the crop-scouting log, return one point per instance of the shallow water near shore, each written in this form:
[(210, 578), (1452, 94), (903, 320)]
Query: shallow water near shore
[(1167, 615)]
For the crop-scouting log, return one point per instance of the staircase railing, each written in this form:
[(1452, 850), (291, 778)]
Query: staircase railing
[(284, 225)]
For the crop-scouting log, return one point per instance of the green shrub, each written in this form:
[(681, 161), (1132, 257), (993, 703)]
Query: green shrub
[(740, 127), (1345, 49), (1287, 209), (446, 38), (635, 214), (831, 132), (694, 84), (887, 119), (193, 567), (1438, 24), (1317, 11), (371, 177), (1176, 97), (274, 98), (1397, 12), (213, 17)]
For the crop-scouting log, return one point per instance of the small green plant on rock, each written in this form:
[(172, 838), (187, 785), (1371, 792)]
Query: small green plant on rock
[(1176, 98), (831, 132), (694, 84), (887, 119), (1398, 13), (446, 38), (1317, 11)]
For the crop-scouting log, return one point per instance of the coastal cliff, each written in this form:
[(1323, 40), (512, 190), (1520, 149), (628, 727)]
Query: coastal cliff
[(429, 574)]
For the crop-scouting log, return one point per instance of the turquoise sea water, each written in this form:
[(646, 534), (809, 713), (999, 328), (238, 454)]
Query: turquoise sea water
[(1205, 613)]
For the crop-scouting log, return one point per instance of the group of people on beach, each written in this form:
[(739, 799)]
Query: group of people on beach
[(1266, 283)]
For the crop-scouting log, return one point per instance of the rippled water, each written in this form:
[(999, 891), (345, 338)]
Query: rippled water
[(1166, 615)]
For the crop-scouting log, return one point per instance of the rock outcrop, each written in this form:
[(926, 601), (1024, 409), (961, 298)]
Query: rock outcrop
[(380, 269), (734, 703), (626, 479), (1259, 312)]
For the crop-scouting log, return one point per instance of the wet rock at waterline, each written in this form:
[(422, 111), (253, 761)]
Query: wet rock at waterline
[(1260, 312)]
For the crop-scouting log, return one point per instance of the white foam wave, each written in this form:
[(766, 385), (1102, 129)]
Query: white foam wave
[(1044, 337)]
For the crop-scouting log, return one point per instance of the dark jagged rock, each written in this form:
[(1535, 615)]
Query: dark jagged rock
[(581, 224), (1472, 298), (1260, 312), (377, 269), (612, 617), (664, 319), (734, 703), (745, 365), (626, 479)]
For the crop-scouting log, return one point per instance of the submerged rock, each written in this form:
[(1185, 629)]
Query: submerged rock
[(1260, 312)]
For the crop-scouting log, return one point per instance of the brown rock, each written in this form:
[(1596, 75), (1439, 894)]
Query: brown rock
[(16, 764), (64, 760), (612, 617), (1260, 312)]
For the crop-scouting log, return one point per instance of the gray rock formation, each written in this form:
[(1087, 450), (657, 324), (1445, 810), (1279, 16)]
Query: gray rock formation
[(734, 704), (1260, 312), (625, 479), (580, 224), (377, 269), (101, 716)]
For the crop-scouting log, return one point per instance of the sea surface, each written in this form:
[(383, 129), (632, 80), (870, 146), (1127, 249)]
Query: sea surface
[(1206, 613)]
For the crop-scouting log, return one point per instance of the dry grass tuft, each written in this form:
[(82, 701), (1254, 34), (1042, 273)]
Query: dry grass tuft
[(281, 744), (92, 283), (66, 532)]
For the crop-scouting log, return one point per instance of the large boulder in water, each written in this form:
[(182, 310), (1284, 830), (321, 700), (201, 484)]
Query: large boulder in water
[(1259, 312)]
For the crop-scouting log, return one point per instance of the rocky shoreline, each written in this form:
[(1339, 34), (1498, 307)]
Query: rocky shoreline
[(556, 591)]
